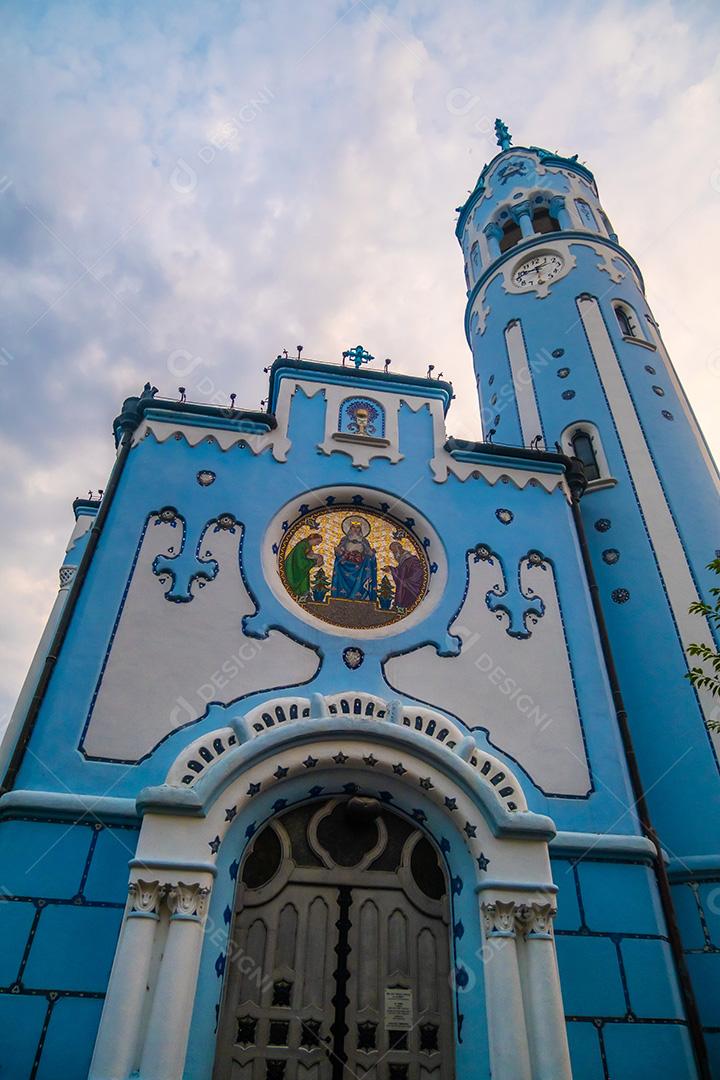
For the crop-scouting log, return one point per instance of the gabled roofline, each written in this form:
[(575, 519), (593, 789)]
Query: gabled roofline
[(363, 378)]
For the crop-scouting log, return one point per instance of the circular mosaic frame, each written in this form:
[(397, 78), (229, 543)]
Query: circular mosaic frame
[(359, 593)]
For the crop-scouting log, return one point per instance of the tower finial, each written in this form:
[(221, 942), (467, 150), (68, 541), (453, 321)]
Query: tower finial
[(503, 136)]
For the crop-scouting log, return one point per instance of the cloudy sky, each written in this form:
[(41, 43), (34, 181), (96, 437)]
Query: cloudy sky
[(231, 179)]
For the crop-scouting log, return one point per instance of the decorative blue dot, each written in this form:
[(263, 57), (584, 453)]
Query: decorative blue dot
[(568, 395), (611, 555), (563, 372), (558, 352), (620, 596), (667, 414), (659, 391), (504, 515), (603, 524)]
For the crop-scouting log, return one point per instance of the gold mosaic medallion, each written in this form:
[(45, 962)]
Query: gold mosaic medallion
[(354, 568)]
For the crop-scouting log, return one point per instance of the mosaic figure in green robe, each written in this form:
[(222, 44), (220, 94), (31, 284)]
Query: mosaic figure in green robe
[(300, 561)]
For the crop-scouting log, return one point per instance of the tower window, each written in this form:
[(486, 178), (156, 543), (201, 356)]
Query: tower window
[(512, 235), (608, 227), (582, 445), (581, 440), (544, 222), (586, 215), (627, 320)]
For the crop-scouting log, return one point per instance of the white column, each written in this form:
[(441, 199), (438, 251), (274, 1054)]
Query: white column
[(522, 216), (544, 1013), (509, 1056), (116, 1048), (163, 1056)]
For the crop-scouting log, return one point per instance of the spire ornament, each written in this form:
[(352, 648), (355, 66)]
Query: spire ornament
[(358, 356), (503, 136)]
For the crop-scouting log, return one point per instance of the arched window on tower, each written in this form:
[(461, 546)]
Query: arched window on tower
[(608, 227), (582, 445), (582, 440), (543, 221), (512, 235), (627, 320), (475, 259), (586, 215)]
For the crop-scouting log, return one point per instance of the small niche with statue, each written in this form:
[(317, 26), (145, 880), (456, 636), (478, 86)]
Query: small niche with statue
[(353, 569), (361, 419)]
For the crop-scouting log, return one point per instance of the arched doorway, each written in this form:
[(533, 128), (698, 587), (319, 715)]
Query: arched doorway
[(339, 954)]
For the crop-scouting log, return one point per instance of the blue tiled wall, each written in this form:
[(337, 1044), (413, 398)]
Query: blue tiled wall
[(698, 907), (62, 893), (625, 1018)]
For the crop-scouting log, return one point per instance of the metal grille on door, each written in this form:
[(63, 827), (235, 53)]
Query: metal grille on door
[(339, 962)]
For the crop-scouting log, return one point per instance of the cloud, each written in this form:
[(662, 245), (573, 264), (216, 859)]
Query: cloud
[(234, 179)]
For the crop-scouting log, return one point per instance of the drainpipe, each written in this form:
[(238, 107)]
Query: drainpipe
[(125, 423), (577, 483)]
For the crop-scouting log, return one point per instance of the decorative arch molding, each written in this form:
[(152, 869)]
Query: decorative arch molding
[(293, 736), (422, 766)]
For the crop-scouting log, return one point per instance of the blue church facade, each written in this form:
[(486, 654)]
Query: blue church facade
[(331, 628)]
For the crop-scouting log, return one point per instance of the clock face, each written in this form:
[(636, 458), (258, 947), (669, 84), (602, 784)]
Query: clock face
[(538, 270)]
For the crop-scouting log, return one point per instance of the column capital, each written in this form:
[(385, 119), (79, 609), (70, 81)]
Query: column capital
[(536, 920), (522, 209), (145, 898), (499, 916), (556, 204), (187, 901), (493, 230)]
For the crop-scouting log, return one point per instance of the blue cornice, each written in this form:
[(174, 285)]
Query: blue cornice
[(135, 408), (85, 507), (511, 457), (364, 379), (609, 846), (226, 422), (543, 240), (68, 806)]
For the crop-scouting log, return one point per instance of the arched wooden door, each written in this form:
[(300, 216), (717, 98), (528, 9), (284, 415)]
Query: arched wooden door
[(339, 960)]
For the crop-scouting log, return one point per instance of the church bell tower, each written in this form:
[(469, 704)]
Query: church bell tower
[(567, 354)]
